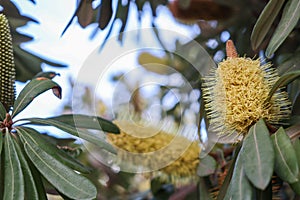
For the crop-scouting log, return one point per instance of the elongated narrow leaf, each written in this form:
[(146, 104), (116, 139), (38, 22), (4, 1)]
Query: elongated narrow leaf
[(61, 177), (28, 65), (30, 187), (32, 136), (122, 16), (289, 19), (286, 165), (239, 187), (258, 155), (72, 18), (1, 142), (291, 63), (206, 166), (296, 186), (283, 81), (85, 13), (2, 112), (38, 181), (106, 14), (13, 176), (98, 139), (203, 190), (32, 90), (226, 182), (49, 75), (88, 122), (296, 146), (264, 22)]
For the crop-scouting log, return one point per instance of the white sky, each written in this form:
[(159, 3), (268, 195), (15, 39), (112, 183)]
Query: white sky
[(74, 46)]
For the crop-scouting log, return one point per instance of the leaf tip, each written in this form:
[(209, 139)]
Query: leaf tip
[(57, 91)]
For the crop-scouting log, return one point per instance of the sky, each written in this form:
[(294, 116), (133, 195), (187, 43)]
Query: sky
[(75, 47)]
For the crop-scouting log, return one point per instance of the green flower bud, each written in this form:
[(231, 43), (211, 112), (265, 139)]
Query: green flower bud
[(7, 66)]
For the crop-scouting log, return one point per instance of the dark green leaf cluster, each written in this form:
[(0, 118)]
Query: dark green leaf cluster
[(289, 19), (27, 158), (260, 158)]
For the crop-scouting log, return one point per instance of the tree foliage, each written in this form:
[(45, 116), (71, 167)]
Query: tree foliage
[(262, 162)]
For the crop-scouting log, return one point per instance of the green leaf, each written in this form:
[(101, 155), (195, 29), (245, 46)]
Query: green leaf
[(60, 176), (97, 139), (292, 63), (264, 22), (32, 90), (226, 182), (289, 19), (28, 65), (59, 141), (38, 180), (13, 177), (1, 143), (286, 165), (30, 187), (49, 75), (296, 146), (2, 112), (32, 136), (258, 155), (296, 186), (283, 81), (203, 190), (239, 187), (206, 166), (88, 122)]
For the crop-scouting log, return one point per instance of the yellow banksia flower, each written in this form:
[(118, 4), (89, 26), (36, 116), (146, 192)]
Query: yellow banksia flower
[(182, 153), (7, 66), (236, 94)]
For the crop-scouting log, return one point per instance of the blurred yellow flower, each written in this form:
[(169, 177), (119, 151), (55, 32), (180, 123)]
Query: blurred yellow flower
[(236, 95), (180, 153)]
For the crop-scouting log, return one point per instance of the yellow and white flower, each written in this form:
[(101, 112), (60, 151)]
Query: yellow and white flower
[(236, 95)]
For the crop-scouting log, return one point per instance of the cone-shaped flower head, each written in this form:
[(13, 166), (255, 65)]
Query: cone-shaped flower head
[(7, 66), (236, 94), (182, 152)]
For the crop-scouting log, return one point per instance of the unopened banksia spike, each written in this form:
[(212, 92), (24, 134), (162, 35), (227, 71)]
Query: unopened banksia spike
[(231, 50), (7, 66)]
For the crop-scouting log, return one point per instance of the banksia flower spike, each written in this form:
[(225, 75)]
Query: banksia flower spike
[(7, 66), (181, 153), (236, 94)]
